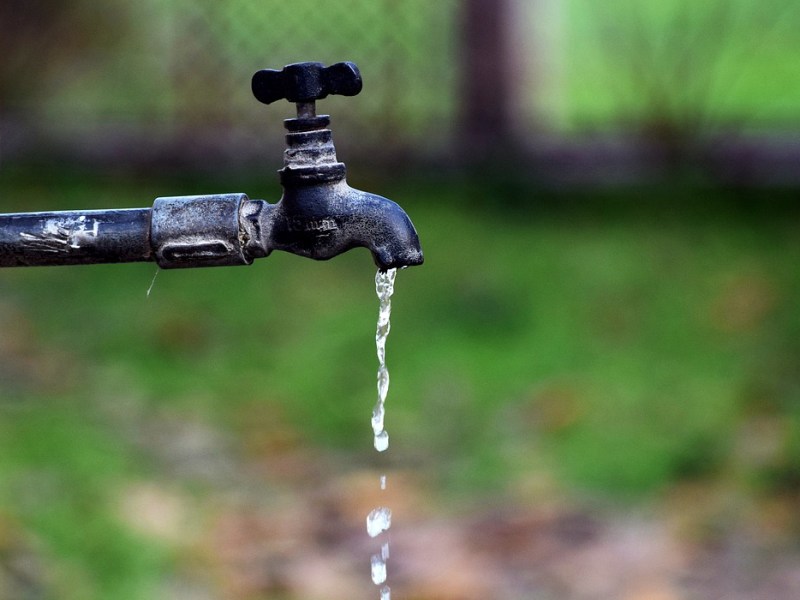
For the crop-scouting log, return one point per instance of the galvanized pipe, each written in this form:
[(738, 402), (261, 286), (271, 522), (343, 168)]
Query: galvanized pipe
[(178, 232), (199, 231), (75, 237)]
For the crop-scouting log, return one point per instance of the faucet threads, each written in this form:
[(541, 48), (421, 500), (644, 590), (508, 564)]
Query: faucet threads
[(307, 148), (310, 156), (331, 173), (307, 123)]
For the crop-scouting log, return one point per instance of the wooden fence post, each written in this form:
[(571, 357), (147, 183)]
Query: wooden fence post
[(487, 89)]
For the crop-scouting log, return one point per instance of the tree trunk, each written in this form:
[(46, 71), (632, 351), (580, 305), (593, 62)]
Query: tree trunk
[(486, 86)]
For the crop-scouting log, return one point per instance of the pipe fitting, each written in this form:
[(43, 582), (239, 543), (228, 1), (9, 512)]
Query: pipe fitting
[(198, 231)]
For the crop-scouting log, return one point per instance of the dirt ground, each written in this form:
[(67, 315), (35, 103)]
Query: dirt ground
[(291, 525)]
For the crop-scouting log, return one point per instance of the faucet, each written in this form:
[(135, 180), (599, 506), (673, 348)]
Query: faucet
[(318, 216)]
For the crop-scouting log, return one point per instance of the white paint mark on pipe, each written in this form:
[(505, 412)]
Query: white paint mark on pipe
[(57, 235)]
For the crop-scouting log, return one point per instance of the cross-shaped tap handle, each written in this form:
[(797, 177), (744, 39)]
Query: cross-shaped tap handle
[(304, 83)]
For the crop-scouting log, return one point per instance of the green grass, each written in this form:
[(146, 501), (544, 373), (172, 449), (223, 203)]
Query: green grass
[(721, 64), (618, 343)]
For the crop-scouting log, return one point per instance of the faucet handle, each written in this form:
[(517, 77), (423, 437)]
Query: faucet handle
[(306, 82)]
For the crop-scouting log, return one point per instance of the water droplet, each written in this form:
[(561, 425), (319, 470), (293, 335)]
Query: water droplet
[(378, 521), (383, 482), (386, 593), (385, 551), (378, 570), (381, 441)]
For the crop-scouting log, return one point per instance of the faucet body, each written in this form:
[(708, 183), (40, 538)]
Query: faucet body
[(318, 216)]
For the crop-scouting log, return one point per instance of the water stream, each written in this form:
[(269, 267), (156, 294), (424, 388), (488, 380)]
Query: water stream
[(380, 519), (384, 288)]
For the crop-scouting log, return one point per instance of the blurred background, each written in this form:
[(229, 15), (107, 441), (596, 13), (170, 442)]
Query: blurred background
[(595, 375)]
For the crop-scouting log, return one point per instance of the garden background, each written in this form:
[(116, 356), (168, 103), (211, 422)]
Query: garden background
[(595, 375)]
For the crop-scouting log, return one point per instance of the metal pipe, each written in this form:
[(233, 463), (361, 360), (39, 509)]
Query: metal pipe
[(199, 231), (178, 232), (75, 237)]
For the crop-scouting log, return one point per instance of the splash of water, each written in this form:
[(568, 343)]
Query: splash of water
[(378, 521), (378, 569)]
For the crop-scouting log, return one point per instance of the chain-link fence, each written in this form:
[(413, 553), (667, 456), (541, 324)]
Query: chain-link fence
[(170, 79), (176, 70)]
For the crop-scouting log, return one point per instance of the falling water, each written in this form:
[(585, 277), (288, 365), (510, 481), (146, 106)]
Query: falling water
[(384, 287), (380, 519), (378, 569)]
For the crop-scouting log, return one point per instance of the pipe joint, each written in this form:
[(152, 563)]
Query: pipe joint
[(198, 231)]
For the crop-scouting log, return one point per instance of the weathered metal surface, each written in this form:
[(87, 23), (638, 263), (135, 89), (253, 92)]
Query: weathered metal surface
[(319, 216), (323, 220), (198, 231), (306, 82), (74, 238)]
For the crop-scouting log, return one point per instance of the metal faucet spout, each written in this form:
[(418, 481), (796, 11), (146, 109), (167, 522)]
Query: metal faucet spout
[(323, 220), (319, 215)]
